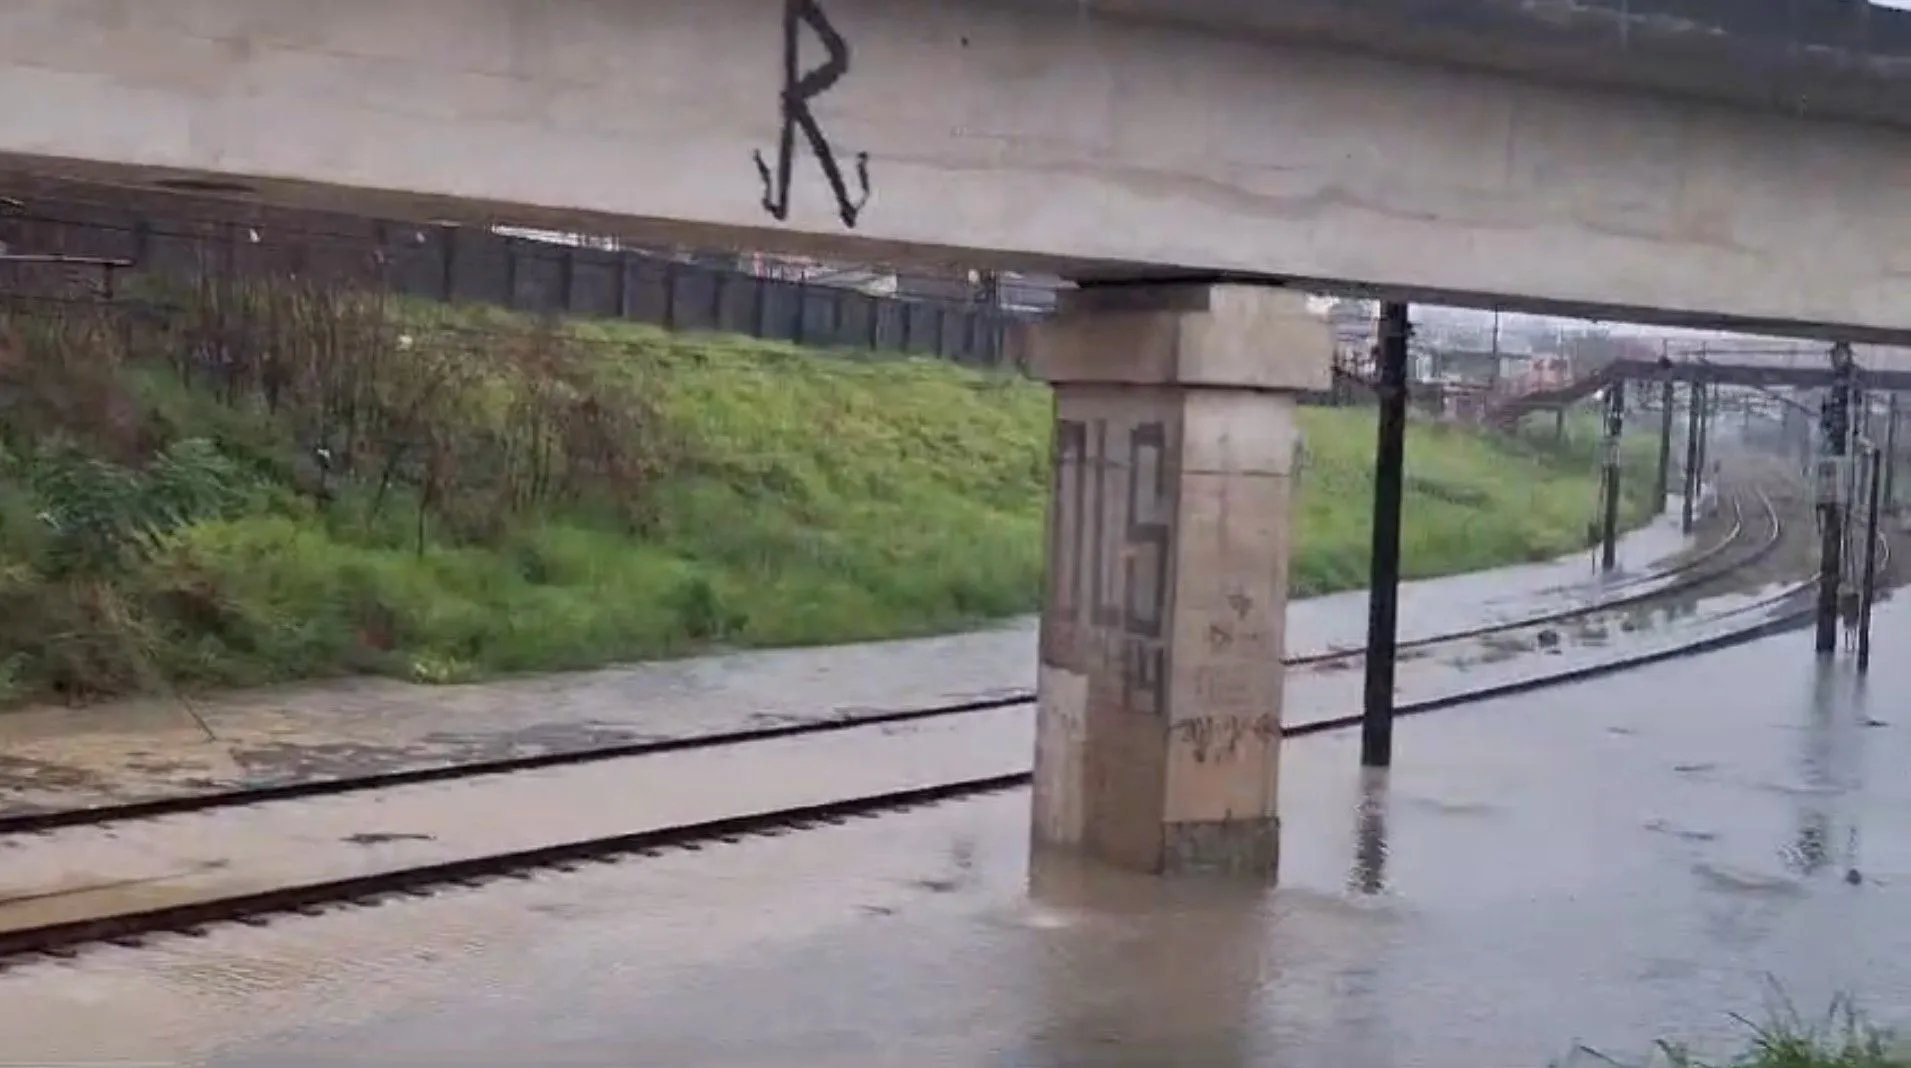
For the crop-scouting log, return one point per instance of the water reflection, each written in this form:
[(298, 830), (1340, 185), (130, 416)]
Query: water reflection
[(1834, 718), (1129, 969), (1860, 721), (1358, 1026), (1137, 970), (1369, 873)]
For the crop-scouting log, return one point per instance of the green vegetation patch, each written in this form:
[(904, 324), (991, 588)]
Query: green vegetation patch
[(1841, 1038), (234, 485)]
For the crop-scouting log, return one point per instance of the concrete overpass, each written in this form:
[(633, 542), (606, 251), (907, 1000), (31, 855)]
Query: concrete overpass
[(1673, 160), (1882, 369), (1699, 162), (1879, 368)]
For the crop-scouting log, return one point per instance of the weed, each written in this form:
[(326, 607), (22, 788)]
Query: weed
[(1840, 1038)]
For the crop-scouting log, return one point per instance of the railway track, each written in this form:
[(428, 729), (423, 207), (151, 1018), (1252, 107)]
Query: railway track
[(1670, 581), (136, 905), (1688, 575)]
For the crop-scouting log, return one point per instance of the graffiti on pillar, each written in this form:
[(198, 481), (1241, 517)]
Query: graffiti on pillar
[(1068, 507), (1221, 739), (800, 87), (1145, 566), (1109, 544)]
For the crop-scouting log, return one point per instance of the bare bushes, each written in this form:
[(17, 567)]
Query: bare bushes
[(125, 426), (480, 425)]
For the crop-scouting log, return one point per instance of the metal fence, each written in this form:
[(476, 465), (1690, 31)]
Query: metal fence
[(70, 241)]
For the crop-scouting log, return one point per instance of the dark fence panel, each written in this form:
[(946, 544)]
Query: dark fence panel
[(480, 268), (168, 235), (816, 315), (955, 339), (891, 325), (782, 307), (921, 331), (856, 320), (595, 285), (649, 283), (694, 297), (536, 280), (739, 306)]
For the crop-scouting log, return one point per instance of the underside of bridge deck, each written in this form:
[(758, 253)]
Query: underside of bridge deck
[(1095, 140)]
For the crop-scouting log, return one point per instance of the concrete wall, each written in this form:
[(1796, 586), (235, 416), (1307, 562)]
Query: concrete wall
[(1843, 59), (1046, 137)]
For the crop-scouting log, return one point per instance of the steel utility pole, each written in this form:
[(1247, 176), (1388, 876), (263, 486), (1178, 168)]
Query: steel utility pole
[(1860, 433), (1868, 589), (1708, 403), (1693, 392), (1609, 517), (1663, 489), (1802, 434), (1891, 453), (1835, 428), (1376, 725)]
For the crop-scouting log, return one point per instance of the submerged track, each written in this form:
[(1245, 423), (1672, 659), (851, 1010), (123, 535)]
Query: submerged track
[(1668, 582), (133, 925)]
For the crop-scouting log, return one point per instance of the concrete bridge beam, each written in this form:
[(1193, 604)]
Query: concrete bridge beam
[(1158, 737), (1047, 135)]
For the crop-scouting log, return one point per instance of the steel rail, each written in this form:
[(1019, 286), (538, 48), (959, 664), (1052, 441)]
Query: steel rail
[(1687, 582), (133, 928), (94, 815)]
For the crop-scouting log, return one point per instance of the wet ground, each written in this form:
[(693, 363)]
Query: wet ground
[(61, 758), (86, 873), (1596, 865), (83, 873), (1511, 657)]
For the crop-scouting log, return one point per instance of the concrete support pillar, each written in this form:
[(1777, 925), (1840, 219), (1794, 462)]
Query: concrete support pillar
[(1162, 637)]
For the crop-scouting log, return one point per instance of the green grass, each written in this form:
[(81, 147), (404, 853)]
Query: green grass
[(1473, 500), (1840, 1038), (565, 497)]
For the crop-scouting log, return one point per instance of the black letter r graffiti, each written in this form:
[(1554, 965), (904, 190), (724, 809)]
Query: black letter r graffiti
[(798, 90)]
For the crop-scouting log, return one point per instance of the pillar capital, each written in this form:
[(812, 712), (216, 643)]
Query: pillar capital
[(1214, 336)]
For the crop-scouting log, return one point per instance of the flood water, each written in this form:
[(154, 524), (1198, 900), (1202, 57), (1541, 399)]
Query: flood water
[(59, 758), (1597, 865)]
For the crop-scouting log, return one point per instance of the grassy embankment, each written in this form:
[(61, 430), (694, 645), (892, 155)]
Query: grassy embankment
[(282, 483)]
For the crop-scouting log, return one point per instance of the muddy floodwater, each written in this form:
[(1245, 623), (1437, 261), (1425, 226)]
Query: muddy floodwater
[(1592, 866)]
